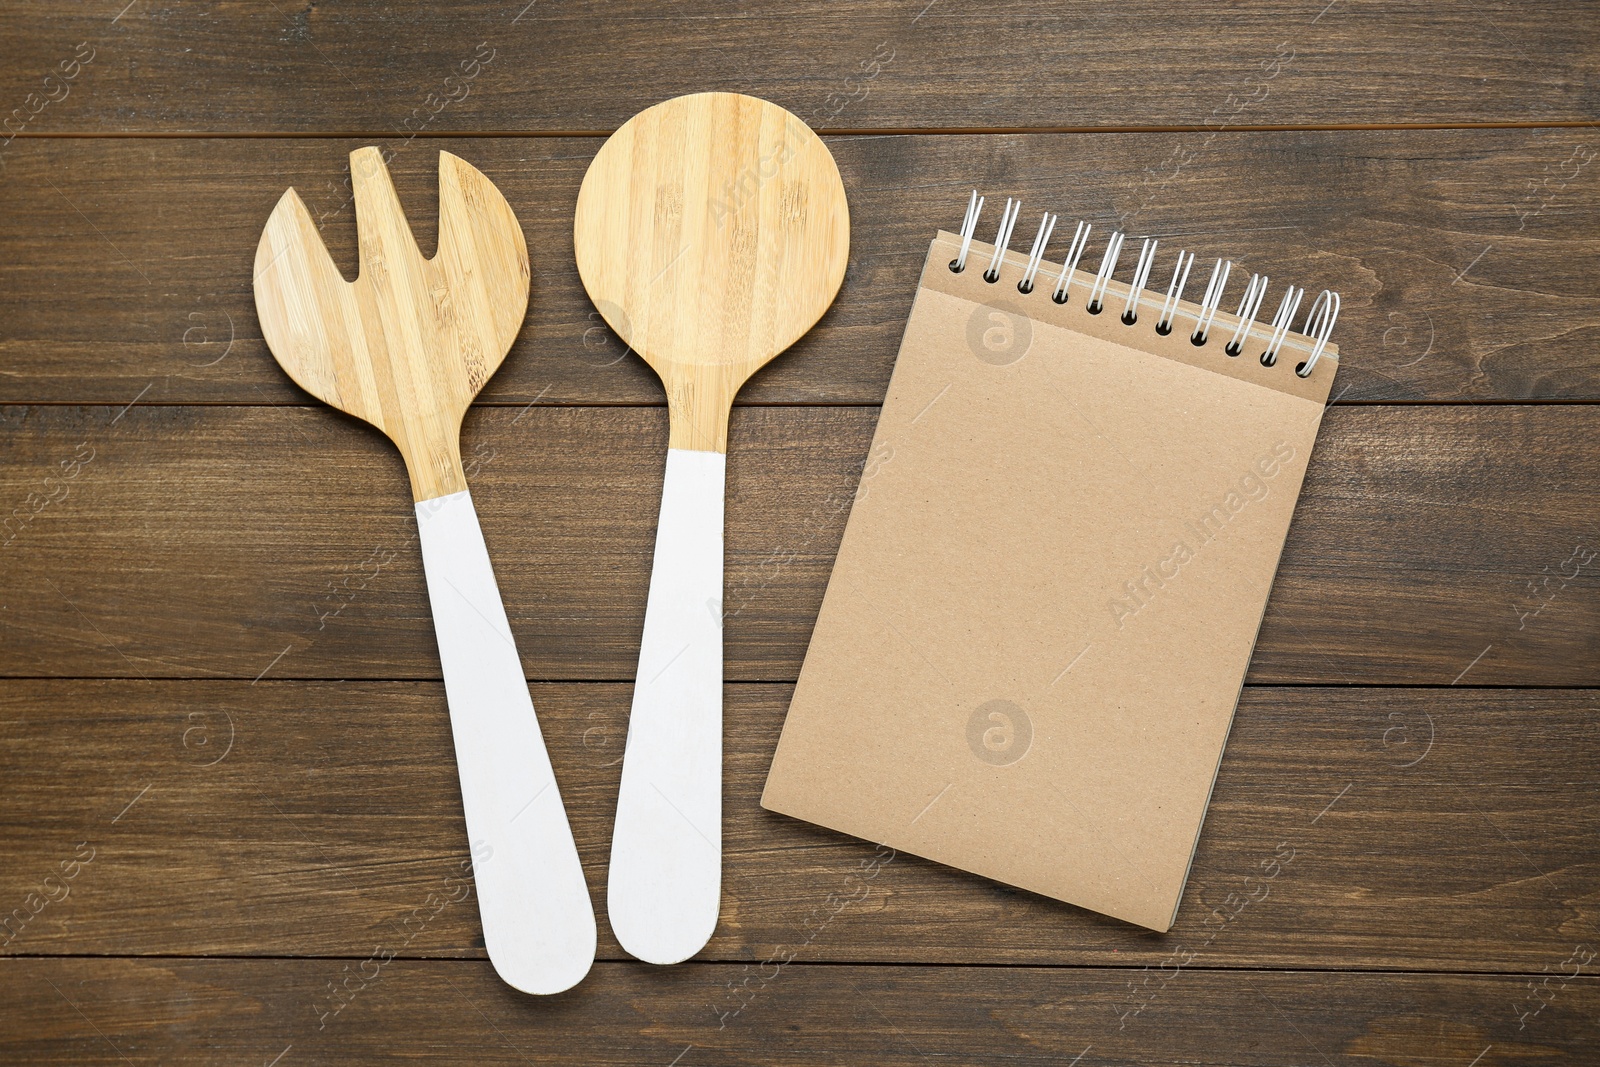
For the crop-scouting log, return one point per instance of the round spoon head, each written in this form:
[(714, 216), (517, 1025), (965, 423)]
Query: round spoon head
[(712, 232)]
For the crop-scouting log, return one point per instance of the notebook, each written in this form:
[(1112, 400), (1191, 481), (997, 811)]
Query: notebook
[(1049, 587)]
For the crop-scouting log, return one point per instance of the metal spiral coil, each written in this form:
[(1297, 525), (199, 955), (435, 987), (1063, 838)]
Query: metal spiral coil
[(1317, 327)]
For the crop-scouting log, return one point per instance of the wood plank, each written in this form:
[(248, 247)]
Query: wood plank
[(1350, 828), (1467, 260), (1433, 543), (121, 1012), (238, 68)]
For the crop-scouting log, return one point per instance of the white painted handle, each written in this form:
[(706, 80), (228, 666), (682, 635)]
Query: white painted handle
[(666, 850), (538, 921)]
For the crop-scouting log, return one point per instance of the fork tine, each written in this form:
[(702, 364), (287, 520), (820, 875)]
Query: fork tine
[(384, 235), (483, 252), (298, 292)]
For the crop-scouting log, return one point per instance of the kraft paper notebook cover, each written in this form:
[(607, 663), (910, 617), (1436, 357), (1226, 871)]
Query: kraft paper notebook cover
[(1050, 584)]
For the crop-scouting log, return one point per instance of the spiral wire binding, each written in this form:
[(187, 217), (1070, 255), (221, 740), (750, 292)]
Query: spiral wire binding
[(1080, 241), (1141, 274), (1280, 324), (1047, 226), (969, 226), (1208, 304), (1108, 265), (1180, 278), (1319, 321), (1249, 307), (1002, 240), (1319, 329)]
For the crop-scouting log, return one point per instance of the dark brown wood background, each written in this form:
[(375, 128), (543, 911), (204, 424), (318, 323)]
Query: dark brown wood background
[(230, 806)]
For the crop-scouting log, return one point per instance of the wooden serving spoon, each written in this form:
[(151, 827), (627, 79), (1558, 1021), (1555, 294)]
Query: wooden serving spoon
[(712, 232), (406, 347)]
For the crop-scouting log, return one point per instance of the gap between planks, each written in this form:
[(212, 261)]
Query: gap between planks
[(531, 680), (697, 962), (883, 131), (829, 405)]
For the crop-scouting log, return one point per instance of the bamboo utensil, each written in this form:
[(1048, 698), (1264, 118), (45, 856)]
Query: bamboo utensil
[(406, 347), (712, 232)]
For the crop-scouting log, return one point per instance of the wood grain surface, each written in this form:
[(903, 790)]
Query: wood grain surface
[(1341, 818), (236, 1011), (231, 816), (497, 67), (1432, 544), (1468, 260)]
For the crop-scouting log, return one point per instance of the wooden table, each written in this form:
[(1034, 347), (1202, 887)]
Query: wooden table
[(230, 825)]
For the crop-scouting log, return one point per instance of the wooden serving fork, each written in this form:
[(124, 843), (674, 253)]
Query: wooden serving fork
[(406, 347)]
